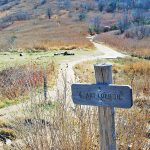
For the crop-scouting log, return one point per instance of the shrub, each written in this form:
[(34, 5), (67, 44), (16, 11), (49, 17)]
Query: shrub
[(12, 39), (111, 7), (82, 16), (42, 2), (64, 4), (9, 5), (121, 5), (91, 31), (87, 6), (142, 4), (60, 4), (101, 5), (23, 15), (138, 4), (123, 24), (147, 31), (138, 16), (49, 12), (95, 25), (138, 32), (113, 27), (146, 4), (67, 4), (24, 76), (147, 22), (3, 2)]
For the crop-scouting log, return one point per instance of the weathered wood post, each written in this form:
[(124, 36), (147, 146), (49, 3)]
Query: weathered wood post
[(45, 86), (103, 75), (106, 96)]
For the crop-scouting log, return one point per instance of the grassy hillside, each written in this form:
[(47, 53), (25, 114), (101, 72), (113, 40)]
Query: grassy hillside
[(27, 25), (64, 24), (133, 46)]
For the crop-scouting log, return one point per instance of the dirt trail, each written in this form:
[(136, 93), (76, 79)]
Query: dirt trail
[(66, 74)]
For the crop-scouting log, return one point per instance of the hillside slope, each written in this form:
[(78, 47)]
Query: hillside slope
[(64, 24)]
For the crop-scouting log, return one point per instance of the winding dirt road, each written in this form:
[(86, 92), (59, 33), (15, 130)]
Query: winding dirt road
[(66, 75), (65, 78)]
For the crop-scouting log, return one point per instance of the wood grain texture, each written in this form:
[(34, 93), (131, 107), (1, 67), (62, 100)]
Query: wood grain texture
[(103, 74)]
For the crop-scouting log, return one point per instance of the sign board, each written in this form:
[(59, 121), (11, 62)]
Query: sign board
[(102, 95)]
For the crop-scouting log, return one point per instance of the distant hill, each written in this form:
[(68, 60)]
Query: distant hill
[(51, 24)]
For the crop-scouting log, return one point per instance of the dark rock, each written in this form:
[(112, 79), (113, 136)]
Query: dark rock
[(64, 53), (57, 54), (106, 28)]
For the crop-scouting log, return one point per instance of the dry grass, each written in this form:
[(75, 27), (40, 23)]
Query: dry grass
[(15, 81), (56, 125), (61, 125), (131, 124), (133, 46), (66, 129), (46, 35), (82, 72), (63, 44)]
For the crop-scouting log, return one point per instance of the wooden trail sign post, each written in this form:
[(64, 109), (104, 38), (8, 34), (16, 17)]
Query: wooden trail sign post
[(106, 96), (45, 87)]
